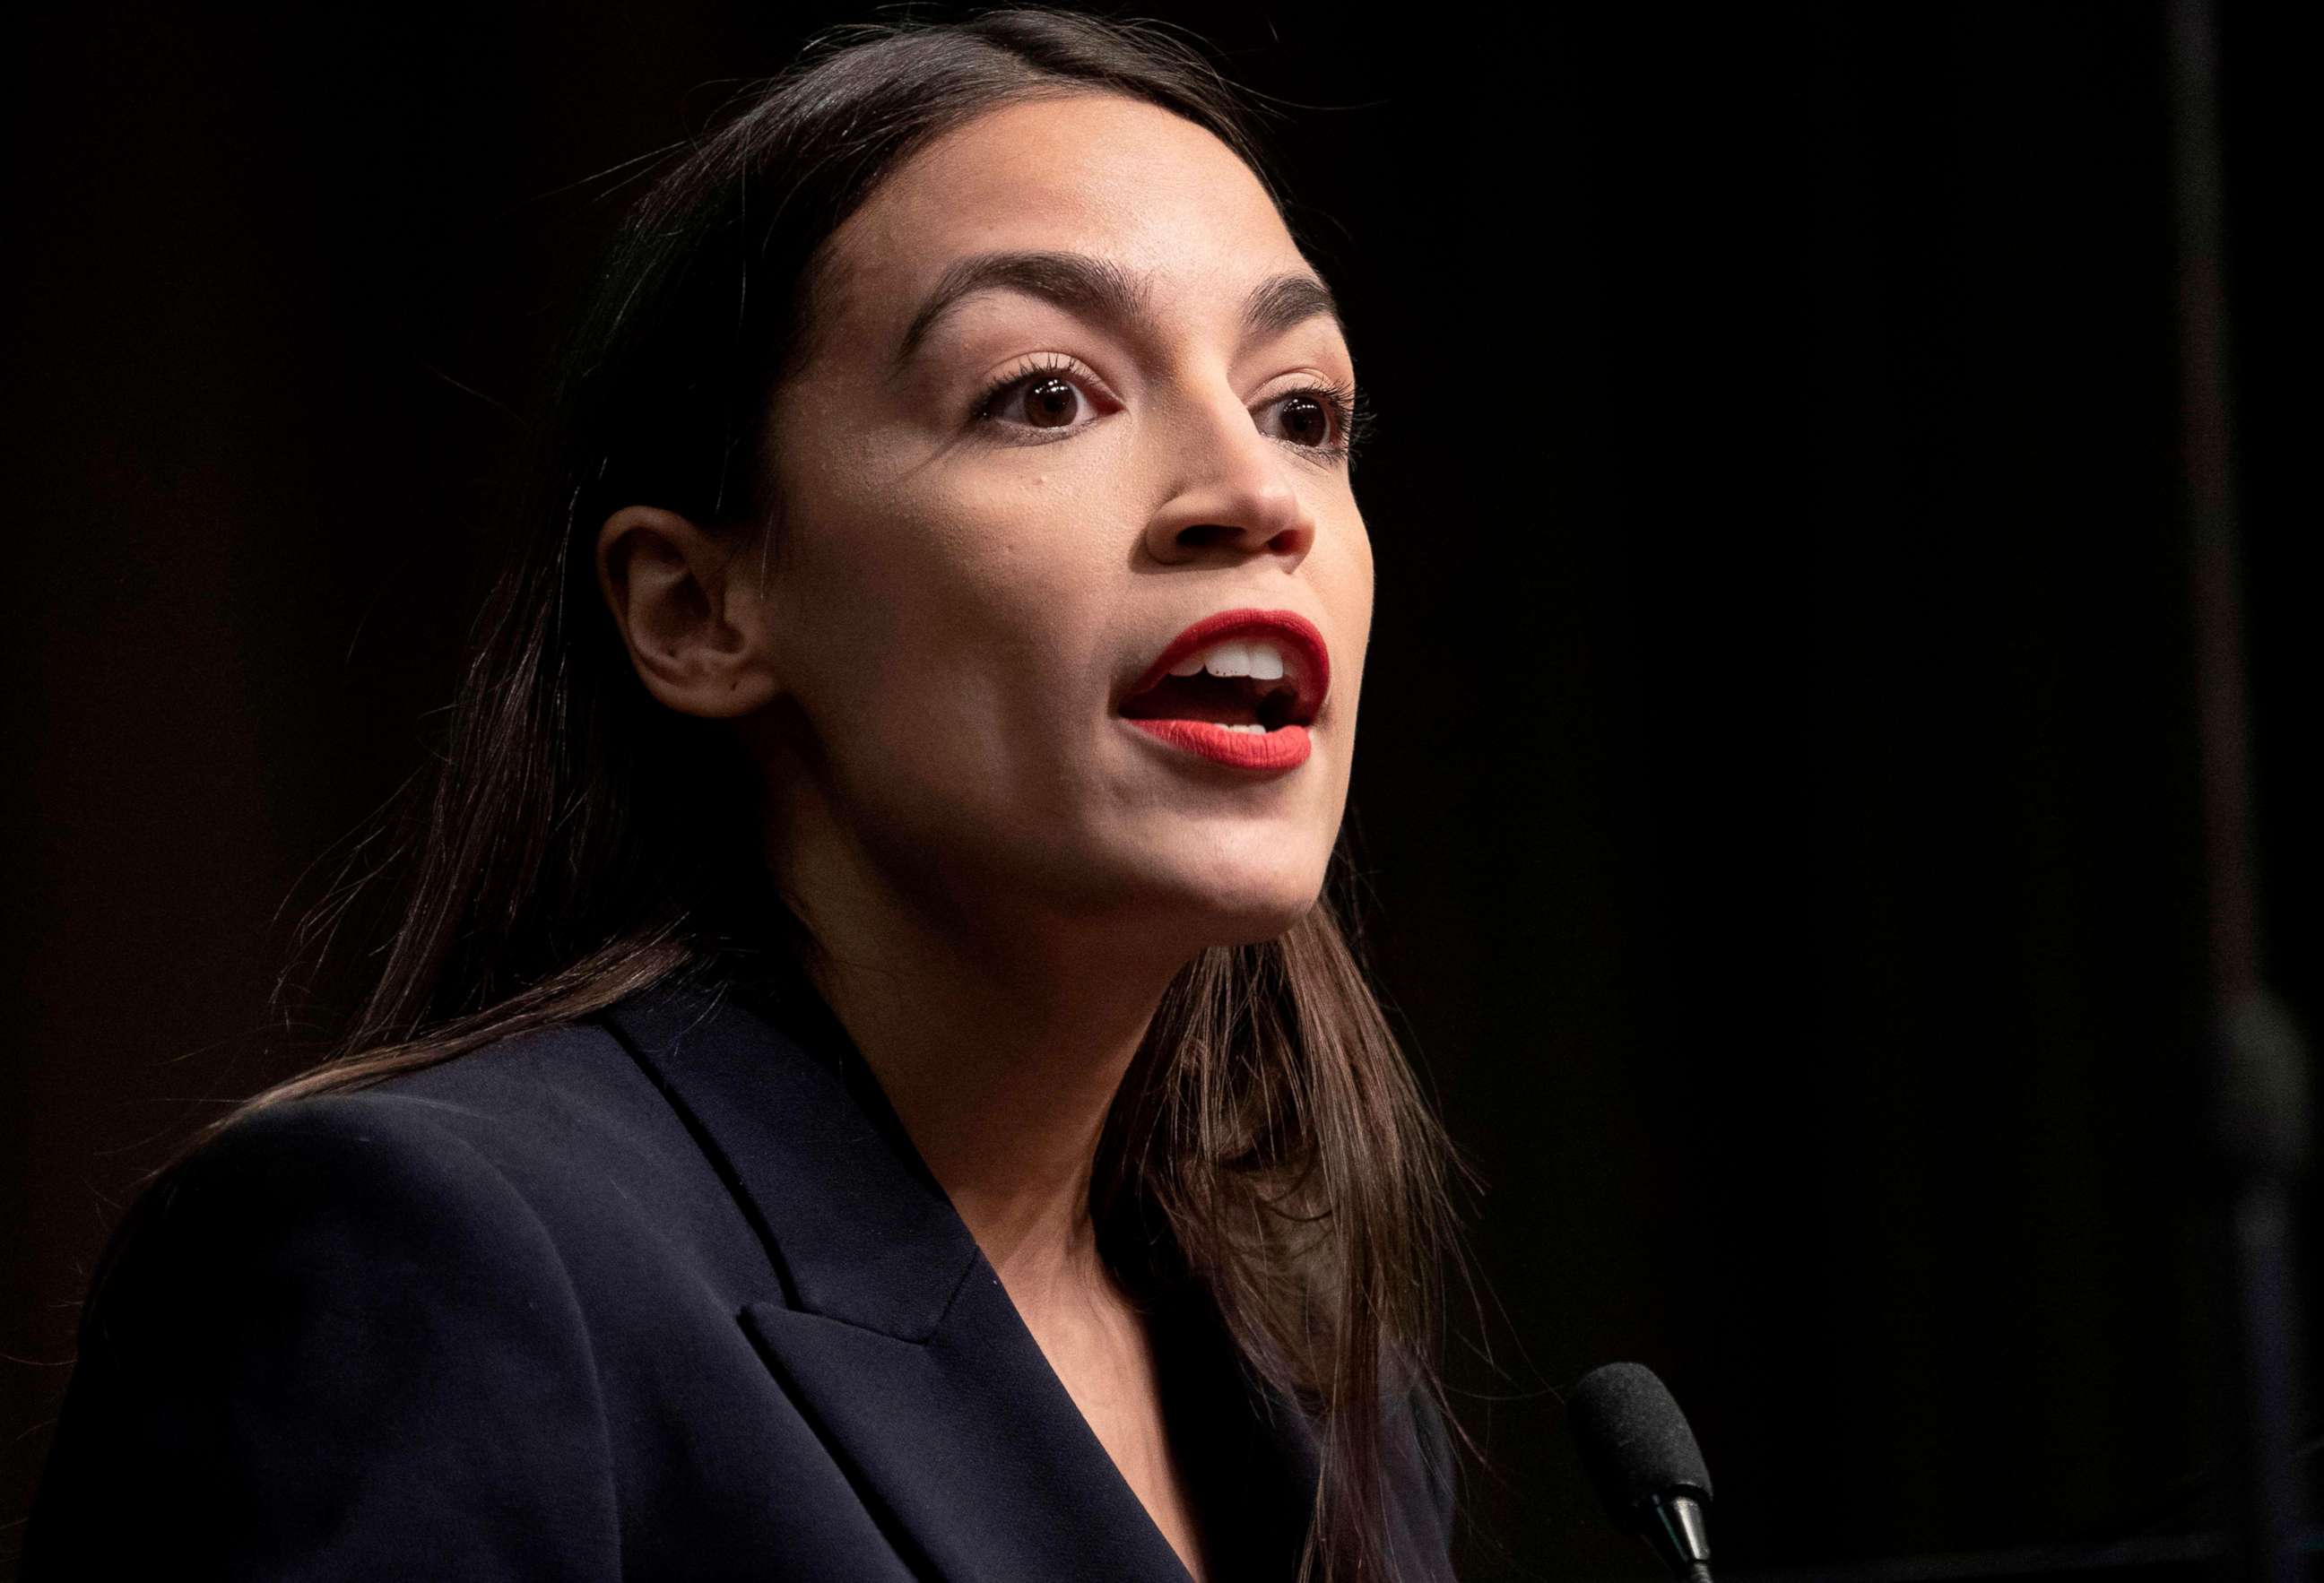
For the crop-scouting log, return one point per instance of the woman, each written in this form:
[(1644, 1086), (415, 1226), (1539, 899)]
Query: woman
[(867, 1085)]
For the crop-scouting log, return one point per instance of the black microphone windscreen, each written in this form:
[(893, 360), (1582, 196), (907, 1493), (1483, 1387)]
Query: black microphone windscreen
[(1634, 1441)]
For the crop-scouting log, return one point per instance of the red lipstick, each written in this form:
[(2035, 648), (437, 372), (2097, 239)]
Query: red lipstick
[(1284, 748), (1306, 678)]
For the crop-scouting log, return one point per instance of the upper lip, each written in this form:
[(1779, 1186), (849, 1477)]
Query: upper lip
[(1310, 670)]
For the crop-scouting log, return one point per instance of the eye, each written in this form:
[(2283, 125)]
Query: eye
[(1042, 397), (1050, 402), (1306, 420), (1325, 418), (1044, 393)]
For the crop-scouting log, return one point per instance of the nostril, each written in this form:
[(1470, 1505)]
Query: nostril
[(1255, 536)]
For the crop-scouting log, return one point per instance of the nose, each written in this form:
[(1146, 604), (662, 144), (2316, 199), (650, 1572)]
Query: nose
[(1235, 494)]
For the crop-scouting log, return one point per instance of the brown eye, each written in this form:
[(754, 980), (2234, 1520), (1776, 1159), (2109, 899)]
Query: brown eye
[(1058, 396), (1305, 421), (1050, 403)]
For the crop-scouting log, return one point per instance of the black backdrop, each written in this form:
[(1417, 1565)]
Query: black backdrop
[(1778, 785)]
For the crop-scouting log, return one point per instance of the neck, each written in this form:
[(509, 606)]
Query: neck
[(1001, 1063), (1004, 1095)]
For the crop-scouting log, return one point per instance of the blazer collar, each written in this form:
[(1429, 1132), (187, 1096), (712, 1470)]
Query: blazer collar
[(891, 1330), (774, 1090)]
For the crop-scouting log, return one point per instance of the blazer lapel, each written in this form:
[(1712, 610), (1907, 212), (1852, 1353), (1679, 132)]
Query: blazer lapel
[(886, 1325)]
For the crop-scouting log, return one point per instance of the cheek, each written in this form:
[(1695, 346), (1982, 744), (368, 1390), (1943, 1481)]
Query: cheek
[(1347, 585), (942, 615)]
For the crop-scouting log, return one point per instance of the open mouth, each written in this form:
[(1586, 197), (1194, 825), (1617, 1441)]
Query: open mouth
[(1248, 702), (1247, 676)]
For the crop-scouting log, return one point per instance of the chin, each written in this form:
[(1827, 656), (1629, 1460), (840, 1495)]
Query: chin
[(1208, 893), (1256, 907), (1260, 933)]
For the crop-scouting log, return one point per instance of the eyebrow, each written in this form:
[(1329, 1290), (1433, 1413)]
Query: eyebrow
[(1098, 289)]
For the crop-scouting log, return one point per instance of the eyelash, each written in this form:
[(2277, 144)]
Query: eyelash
[(1351, 414)]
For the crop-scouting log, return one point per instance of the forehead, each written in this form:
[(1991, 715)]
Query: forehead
[(1115, 178)]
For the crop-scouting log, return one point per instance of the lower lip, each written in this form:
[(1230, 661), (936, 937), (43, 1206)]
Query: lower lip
[(1284, 748)]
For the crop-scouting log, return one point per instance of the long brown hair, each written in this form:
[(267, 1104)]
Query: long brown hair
[(580, 842)]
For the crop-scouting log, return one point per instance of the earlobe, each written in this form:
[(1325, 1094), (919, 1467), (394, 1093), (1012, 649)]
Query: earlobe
[(697, 637)]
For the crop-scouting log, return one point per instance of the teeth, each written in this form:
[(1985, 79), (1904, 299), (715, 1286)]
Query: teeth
[(1254, 728), (1256, 658)]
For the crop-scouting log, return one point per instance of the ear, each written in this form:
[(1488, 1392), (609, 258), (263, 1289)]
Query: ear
[(700, 638)]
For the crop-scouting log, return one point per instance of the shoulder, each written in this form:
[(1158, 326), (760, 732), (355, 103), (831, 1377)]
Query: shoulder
[(557, 1092), (1435, 1445), (548, 1166), (316, 1212), (552, 1114), (476, 1139), (497, 1162), (555, 1140), (322, 1319), (1424, 1472)]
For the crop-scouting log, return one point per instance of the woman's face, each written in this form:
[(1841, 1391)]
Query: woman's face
[(1000, 516)]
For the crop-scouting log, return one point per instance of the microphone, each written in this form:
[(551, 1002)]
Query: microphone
[(1638, 1451)]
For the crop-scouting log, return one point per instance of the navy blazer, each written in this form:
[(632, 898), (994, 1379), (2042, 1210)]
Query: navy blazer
[(666, 1293)]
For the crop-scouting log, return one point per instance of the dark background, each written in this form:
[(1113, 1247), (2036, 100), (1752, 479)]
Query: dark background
[(1779, 786)]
